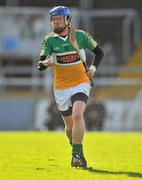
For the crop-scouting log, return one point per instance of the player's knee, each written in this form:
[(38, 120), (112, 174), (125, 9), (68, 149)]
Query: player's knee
[(77, 116)]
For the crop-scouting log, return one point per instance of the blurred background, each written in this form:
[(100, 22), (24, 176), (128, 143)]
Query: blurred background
[(26, 97)]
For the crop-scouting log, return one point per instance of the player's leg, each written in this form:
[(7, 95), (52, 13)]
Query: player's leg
[(68, 127), (63, 100), (79, 101), (78, 159)]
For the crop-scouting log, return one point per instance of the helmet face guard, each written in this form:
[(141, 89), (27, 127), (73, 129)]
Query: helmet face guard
[(60, 11)]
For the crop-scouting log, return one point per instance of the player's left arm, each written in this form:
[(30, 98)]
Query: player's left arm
[(92, 45), (99, 54)]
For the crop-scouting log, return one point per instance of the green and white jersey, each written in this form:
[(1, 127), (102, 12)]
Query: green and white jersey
[(68, 69)]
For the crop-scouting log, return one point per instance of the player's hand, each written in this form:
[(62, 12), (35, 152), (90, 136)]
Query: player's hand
[(42, 65), (90, 74), (47, 63), (91, 71)]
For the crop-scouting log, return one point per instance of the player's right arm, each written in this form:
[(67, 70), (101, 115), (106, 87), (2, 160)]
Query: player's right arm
[(46, 51)]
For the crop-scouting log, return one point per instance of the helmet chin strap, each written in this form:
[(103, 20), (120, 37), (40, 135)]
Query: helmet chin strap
[(66, 21)]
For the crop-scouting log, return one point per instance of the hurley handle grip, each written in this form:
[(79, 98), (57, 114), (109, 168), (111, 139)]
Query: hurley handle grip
[(41, 67)]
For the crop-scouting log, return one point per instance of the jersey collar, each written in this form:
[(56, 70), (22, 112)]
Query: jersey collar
[(63, 38)]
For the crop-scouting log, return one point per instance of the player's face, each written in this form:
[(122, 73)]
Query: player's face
[(58, 23)]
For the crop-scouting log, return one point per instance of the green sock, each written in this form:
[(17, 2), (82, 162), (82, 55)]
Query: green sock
[(77, 149)]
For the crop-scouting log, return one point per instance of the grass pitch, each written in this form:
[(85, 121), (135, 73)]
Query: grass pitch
[(47, 155)]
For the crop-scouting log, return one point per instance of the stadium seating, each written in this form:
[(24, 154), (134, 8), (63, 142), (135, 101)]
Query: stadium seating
[(127, 92), (134, 61)]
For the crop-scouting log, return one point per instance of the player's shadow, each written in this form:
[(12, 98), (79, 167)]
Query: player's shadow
[(99, 171)]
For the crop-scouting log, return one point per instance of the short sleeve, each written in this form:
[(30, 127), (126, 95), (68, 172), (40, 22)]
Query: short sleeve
[(89, 42), (46, 48)]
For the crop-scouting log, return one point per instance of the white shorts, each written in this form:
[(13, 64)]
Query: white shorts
[(63, 97)]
